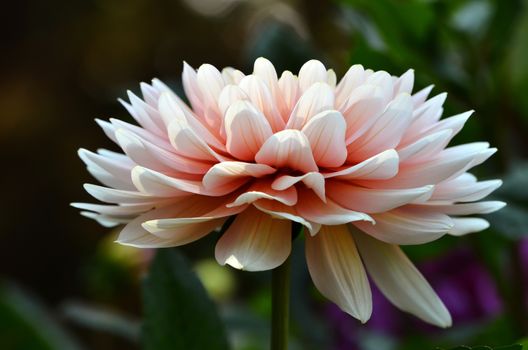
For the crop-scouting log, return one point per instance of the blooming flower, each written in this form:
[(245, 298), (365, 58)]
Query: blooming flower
[(362, 164)]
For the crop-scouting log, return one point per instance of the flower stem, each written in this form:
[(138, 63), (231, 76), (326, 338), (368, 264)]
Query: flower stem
[(280, 306)]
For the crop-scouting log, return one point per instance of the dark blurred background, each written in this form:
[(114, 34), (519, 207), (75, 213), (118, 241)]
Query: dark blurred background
[(65, 285)]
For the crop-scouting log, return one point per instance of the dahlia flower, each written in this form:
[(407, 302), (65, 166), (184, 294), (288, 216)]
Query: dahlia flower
[(362, 164)]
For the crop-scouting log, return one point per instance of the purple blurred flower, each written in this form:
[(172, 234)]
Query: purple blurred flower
[(460, 280)]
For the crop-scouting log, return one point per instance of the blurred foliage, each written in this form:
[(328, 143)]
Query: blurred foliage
[(25, 324), (178, 312)]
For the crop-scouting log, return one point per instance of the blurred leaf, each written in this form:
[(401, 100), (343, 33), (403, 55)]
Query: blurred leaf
[(178, 311), (102, 319), (510, 347), (512, 220), (25, 324)]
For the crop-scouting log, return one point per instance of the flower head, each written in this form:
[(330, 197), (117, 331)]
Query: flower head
[(363, 165)]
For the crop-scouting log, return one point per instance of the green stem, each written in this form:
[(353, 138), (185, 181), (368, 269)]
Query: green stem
[(280, 306)]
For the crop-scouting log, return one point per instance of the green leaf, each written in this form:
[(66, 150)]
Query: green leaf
[(25, 324), (509, 347), (512, 220), (178, 312)]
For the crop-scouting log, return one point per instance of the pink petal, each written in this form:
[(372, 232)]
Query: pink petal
[(187, 143), (400, 281), (372, 201), (157, 184), (261, 97), (449, 163), (184, 215), (225, 173), (232, 76), (229, 95), (407, 225), (425, 147), (145, 115), (246, 130), (255, 242), (265, 70), (353, 78), (379, 167), (172, 108), (262, 189), (150, 155), (310, 73), (313, 180), (287, 148), (337, 271), (312, 208), (289, 88), (111, 195), (361, 110), (110, 171), (319, 97), (278, 210), (133, 234), (192, 91), (326, 133), (386, 132)]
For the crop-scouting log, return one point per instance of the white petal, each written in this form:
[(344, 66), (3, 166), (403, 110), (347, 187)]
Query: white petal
[(187, 143), (115, 210), (281, 211), (326, 133), (337, 270), (425, 147), (289, 88), (379, 167), (255, 242), (263, 190), (133, 234), (265, 70), (312, 180), (372, 201), (353, 78), (111, 195), (463, 226), (314, 209), (310, 73), (400, 281), (287, 148), (192, 91), (171, 108), (404, 83), (246, 130), (260, 95), (408, 225), (421, 96), (157, 184), (229, 95), (386, 132), (319, 97), (178, 220), (224, 173), (154, 157), (469, 208), (361, 110)]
